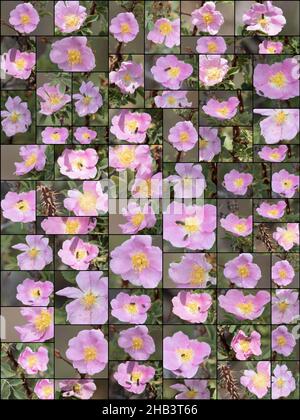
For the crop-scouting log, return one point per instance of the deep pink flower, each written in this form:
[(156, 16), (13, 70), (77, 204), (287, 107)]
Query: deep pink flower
[(165, 32), (90, 305), (282, 273), (207, 18), (55, 135), (280, 124), (88, 351), (131, 126), (183, 356), (283, 382), (128, 77), (34, 362), (91, 202), (24, 18), (134, 377), (192, 389), (209, 143), (17, 63), (272, 211), (34, 157), (284, 183), (211, 45), (53, 98), (147, 185), (19, 207), (190, 181), (34, 293), (39, 327), (89, 100), (138, 218), (212, 69), (82, 389), (172, 100), (72, 54), (124, 27), (244, 307), (244, 346), (237, 182), (270, 47), (285, 306), (183, 136), (130, 157), (242, 271), (258, 382), (131, 309), (77, 254), (238, 227), (224, 110), (191, 272), (36, 253), (264, 18), (287, 237), (85, 135), (192, 307), (78, 164), (171, 72), (273, 154), (68, 225), (69, 16), (283, 342), (44, 389), (16, 118), (137, 342)]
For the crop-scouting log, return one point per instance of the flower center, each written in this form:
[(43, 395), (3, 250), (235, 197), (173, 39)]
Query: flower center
[(137, 343), (260, 380), (33, 252), (31, 360), (89, 300), (137, 219), (203, 143), (198, 275), (281, 117), (14, 117), (78, 164), (72, 226), (214, 73), (281, 341), (184, 136), (244, 345), (72, 20), (245, 308), (20, 63), (22, 205), (240, 227), (207, 18), (31, 160), (186, 355), (191, 224), (25, 19), (282, 274), (127, 78), (193, 307), (140, 261), (273, 212), (278, 80), (239, 182), (271, 50), (80, 254), (127, 156), (89, 353), (171, 100), (282, 306), (287, 183), (212, 47), (274, 155), (243, 271), (174, 72), (125, 28), (87, 201), (47, 390), (132, 125), (131, 308), (136, 376), (55, 136), (77, 388), (43, 320), (165, 28), (35, 293), (224, 111), (74, 57), (280, 383), (289, 236), (191, 394), (87, 100)]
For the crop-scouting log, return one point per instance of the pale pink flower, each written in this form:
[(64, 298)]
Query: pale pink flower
[(258, 382), (91, 202), (237, 226), (244, 346), (287, 237), (165, 32), (78, 254), (34, 362), (78, 164)]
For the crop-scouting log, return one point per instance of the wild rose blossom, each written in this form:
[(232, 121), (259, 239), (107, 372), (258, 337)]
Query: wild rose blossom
[(244, 346), (270, 47), (88, 351), (183, 356), (44, 389), (283, 342), (130, 157), (244, 307), (147, 185), (138, 218), (212, 69), (238, 227), (34, 293), (138, 261), (207, 18), (283, 273), (284, 183), (131, 309), (90, 305), (137, 342), (129, 77), (52, 98), (172, 100), (283, 382), (192, 389), (124, 27), (131, 126), (83, 389), (19, 208), (171, 72), (17, 63), (280, 124), (77, 254), (272, 211), (211, 45), (258, 382), (192, 307), (285, 306), (165, 32), (133, 376), (34, 157), (237, 182), (69, 16), (24, 18), (190, 181), (242, 271), (68, 225), (209, 143), (34, 362), (224, 110), (36, 253), (55, 135), (39, 327), (91, 202), (78, 164), (16, 117), (85, 135), (273, 154), (183, 136), (287, 237), (264, 18), (88, 100)]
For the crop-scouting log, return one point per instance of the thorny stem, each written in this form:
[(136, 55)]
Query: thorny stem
[(26, 386), (240, 98)]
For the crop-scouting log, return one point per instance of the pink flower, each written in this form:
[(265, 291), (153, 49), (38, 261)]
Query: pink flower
[(147, 185), (89, 100), (69, 16), (282, 273), (40, 326), (19, 207), (192, 389), (128, 77), (130, 309), (190, 182), (285, 306), (190, 227), (68, 225), (55, 135), (212, 69), (24, 18), (34, 293), (288, 237), (34, 362), (53, 98), (131, 126), (72, 54), (183, 356), (272, 211), (78, 164), (17, 118), (207, 18), (278, 80), (17, 63), (137, 342), (244, 307), (284, 183), (124, 27), (242, 272), (283, 342), (77, 254), (34, 157), (270, 47), (85, 135), (192, 307), (244, 346), (172, 100), (211, 45), (171, 72), (183, 136), (280, 124), (130, 157), (209, 144), (283, 382), (88, 351), (258, 382), (191, 272), (224, 110), (90, 299), (273, 154), (237, 182), (165, 32), (36, 253), (82, 389), (44, 389), (134, 377), (138, 261), (238, 227), (91, 202), (138, 218), (264, 18)]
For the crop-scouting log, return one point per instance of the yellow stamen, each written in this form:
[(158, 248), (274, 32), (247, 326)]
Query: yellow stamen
[(165, 28), (282, 274), (25, 19), (80, 254), (239, 182), (282, 306), (131, 308), (87, 201), (89, 300), (54, 99), (31, 160), (22, 205), (281, 341), (193, 307), (260, 380), (137, 219), (137, 343), (243, 271), (171, 100), (212, 47), (125, 28), (214, 73), (184, 136), (89, 353), (72, 21), (224, 111), (47, 390), (287, 183), (280, 383), (136, 376), (126, 156), (72, 226), (131, 125), (244, 345), (191, 224), (55, 136), (43, 320), (35, 293), (33, 252), (14, 117), (280, 117), (198, 275), (278, 80), (74, 57), (174, 72), (140, 261), (186, 355), (208, 18), (203, 143), (240, 227), (191, 394), (31, 360), (245, 308), (20, 63)]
